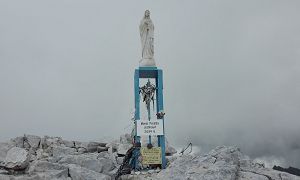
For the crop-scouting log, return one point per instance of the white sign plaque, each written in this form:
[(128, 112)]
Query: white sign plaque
[(150, 128)]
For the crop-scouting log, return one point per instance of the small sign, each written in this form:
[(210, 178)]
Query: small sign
[(151, 156), (150, 128)]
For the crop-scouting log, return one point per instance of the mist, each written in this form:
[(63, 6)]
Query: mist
[(231, 71)]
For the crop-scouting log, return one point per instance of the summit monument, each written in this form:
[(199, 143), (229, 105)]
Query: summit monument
[(149, 133), (147, 40)]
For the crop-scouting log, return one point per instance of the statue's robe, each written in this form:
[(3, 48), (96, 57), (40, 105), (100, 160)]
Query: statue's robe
[(147, 38)]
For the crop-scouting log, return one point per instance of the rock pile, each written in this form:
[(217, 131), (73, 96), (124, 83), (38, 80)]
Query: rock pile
[(33, 158), (221, 163), (42, 158)]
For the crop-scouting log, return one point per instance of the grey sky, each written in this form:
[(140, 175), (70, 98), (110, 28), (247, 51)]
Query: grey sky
[(231, 70)]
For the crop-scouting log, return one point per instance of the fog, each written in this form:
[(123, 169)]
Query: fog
[(231, 71)]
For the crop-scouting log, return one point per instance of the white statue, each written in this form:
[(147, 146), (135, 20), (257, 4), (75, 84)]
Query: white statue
[(147, 40)]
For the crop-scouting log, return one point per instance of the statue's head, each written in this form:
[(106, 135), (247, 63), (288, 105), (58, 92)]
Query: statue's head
[(147, 14)]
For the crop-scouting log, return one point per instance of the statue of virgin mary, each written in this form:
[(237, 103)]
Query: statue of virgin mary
[(147, 40)]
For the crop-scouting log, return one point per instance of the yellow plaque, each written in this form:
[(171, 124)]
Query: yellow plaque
[(151, 156)]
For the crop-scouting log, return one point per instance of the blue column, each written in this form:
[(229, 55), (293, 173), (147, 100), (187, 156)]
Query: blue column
[(136, 113), (160, 107)]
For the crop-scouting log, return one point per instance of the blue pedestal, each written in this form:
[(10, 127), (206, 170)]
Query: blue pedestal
[(157, 74)]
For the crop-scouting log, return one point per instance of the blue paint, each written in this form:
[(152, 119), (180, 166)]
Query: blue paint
[(157, 74), (137, 112), (160, 107)]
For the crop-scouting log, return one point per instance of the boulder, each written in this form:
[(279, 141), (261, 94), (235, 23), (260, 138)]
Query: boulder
[(61, 151), (80, 173), (120, 160), (38, 176), (20, 142), (93, 146), (126, 139), (27, 141), (70, 144), (5, 177), (52, 174), (93, 161), (41, 154), (120, 146), (101, 149), (42, 166), (112, 146), (34, 141), (48, 170), (123, 148), (48, 141), (17, 159), (4, 148)]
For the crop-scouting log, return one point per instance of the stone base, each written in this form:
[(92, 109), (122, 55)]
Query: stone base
[(147, 62)]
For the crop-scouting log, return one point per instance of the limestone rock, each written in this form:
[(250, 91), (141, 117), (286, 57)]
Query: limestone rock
[(125, 139), (60, 151), (101, 149), (41, 154), (17, 159), (48, 141), (47, 170), (220, 163), (120, 146), (112, 147), (80, 173), (120, 160), (5, 177), (39, 176), (55, 158), (93, 146), (91, 161), (27, 141), (42, 166), (34, 141), (123, 148), (19, 142), (4, 148), (169, 149), (70, 144)]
